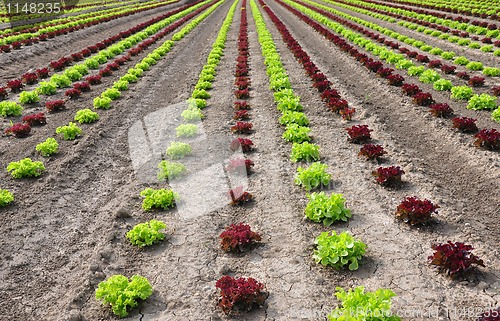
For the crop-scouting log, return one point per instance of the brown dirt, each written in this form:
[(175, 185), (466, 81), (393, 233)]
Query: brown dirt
[(65, 232)]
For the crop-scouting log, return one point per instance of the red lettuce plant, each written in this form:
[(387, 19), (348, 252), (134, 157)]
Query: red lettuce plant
[(43, 73), (423, 99), (237, 237), (242, 127), (86, 52), (5, 48), (463, 75), (19, 130), (35, 119), (239, 165), (412, 54), (3, 92), (241, 105), (476, 81), (337, 104), (242, 83), (495, 90), (244, 143), (30, 78), (73, 93), (415, 211), (422, 58), (16, 45), (322, 85), (77, 56), (447, 69), (113, 66), (410, 89), (241, 115), (395, 80), (374, 66), (387, 176), (93, 80), (347, 113), (488, 139), (242, 94), (371, 151), (240, 72), (358, 133), (135, 51), (15, 85), (329, 94), (238, 196), (440, 110), (465, 124), (240, 294), (105, 72), (55, 105), (82, 86), (455, 259), (58, 65)]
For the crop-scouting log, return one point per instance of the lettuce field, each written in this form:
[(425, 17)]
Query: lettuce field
[(250, 160)]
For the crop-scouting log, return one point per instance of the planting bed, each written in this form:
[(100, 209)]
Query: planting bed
[(285, 77)]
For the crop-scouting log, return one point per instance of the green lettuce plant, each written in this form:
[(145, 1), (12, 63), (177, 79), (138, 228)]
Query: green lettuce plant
[(339, 250), (461, 92), (313, 176), (483, 101), (326, 209), (29, 97), (187, 130), (48, 148), (25, 168), (358, 305), (170, 170), (146, 234), (122, 294), (86, 116), (158, 199), (297, 134), (304, 152), (70, 131), (178, 150), (10, 108), (6, 197)]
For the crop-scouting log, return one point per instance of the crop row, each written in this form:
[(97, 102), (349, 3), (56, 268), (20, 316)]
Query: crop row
[(421, 58), (431, 17), (332, 249), (42, 34), (455, 36), (483, 101), (28, 168), (430, 29), (482, 9), (114, 290), (61, 63), (24, 13), (148, 233), (77, 72), (440, 83)]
